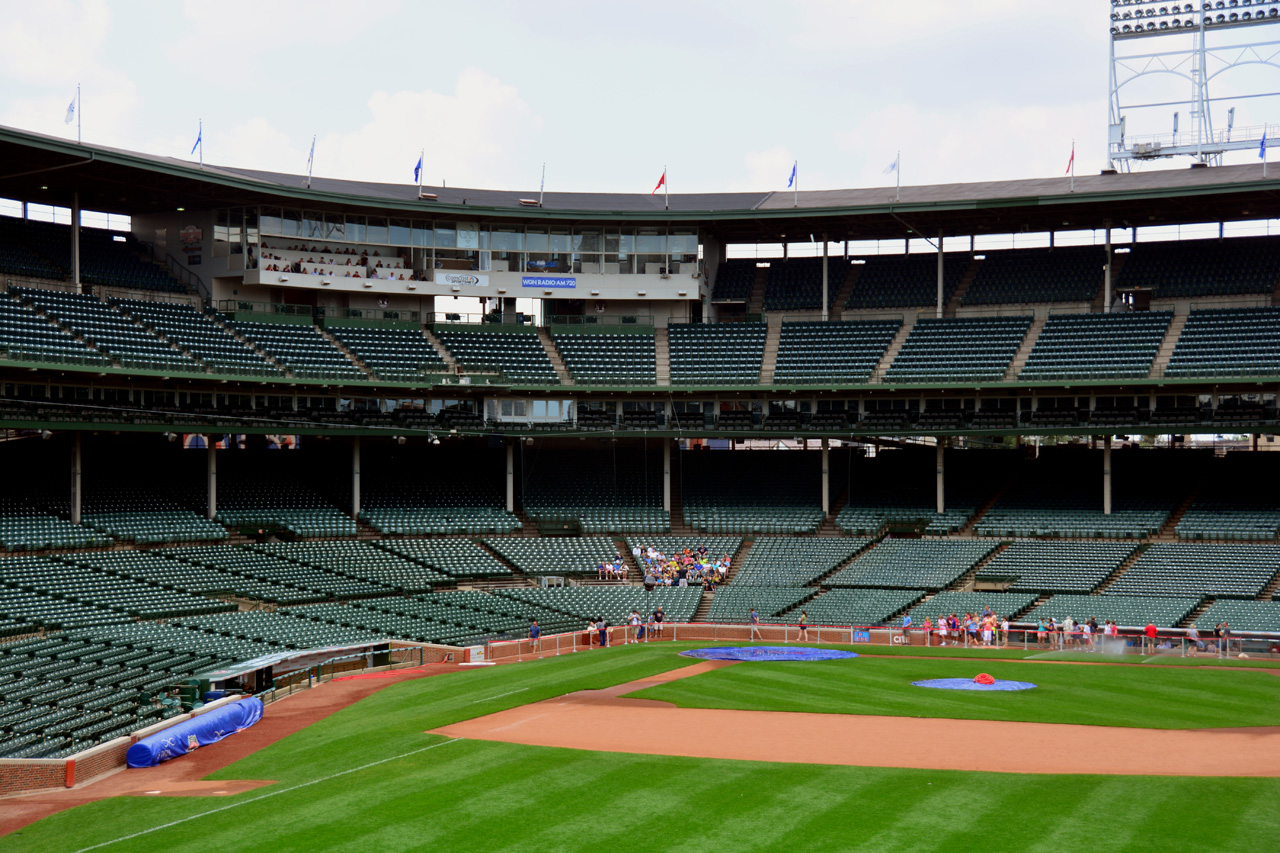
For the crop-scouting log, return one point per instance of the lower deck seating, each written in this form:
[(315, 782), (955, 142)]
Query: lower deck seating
[(1228, 342), (959, 349), (716, 354), (1241, 615), (853, 607), (1002, 604), (300, 348), (913, 563), (455, 557), (613, 603), (1097, 346), (391, 352), (1127, 611), (555, 555), (1233, 571), (1056, 566), (832, 352), (733, 603), (795, 560), (153, 528), (518, 354), (609, 359)]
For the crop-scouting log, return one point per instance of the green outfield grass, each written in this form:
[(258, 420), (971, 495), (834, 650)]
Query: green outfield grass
[(1151, 697), (369, 779)]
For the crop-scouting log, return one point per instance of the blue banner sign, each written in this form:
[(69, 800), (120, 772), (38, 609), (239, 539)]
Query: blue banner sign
[(549, 281), (862, 636)]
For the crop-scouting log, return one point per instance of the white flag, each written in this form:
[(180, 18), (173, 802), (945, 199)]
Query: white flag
[(892, 167), (71, 111)]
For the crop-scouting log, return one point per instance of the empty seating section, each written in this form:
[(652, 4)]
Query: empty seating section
[(719, 354), (280, 628), (152, 528), (604, 492), (1241, 615), (1201, 268), (43, 250), (1056, 566), (74, 581), (1237, 501), (26, 528), (613, 603), (733, 603), (735, 278), (198, 334), (1062, 274), (752, 492), (913, 563), (906, 281), (442, 493), (609, 359), (52, 612), (307, 583), (555, 555), (262, 500), (1097, 346), (391, 352), (518, 354), (958, 349), (1231, 571), (110, 331), (796, 284), (853, 607), (453, 557), (361, 561), (795, 561), (832, 352), (26, 335), (1228, 342), (1128, 611), (167, 569), (300, 348), (1002, 604), (898, 488), (1060, 494)]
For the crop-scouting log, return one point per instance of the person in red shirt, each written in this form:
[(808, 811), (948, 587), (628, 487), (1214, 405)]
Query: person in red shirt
[(1149, 638)]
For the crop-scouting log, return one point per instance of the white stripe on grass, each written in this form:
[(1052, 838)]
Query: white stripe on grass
[(265, 796)]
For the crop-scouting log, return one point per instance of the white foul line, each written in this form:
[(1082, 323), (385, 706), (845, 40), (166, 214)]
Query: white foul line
[(264, 796)]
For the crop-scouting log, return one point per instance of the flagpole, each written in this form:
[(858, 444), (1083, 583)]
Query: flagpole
[(897, 193), (311, 157), (422, 156), (1264, 151), (542, 186), (200, 136), (795, 185), (80, 112), (666, 190), (1073, 165)]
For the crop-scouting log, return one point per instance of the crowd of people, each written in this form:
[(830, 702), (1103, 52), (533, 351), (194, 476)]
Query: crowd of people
[(682, 568), (357, 265)]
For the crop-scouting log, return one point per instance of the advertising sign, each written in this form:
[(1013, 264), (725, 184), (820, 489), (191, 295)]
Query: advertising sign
[(548, 282), (466, 279)]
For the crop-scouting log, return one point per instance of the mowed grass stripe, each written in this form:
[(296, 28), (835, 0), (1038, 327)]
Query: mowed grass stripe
[(479, 796), (1095, 695)]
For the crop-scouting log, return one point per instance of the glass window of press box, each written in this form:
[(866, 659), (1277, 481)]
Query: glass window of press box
[(459, 245)]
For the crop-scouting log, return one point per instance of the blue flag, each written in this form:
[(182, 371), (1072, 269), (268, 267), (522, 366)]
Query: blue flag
[(199, 136), (1262, 150), (417, 170), (793, 174), (71, 111)]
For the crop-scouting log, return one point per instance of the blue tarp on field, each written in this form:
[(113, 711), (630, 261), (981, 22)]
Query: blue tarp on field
[(1000, 686), (766, 653), (192, 734)]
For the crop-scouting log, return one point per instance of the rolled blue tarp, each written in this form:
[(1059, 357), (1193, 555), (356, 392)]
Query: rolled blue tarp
[(194, 733)]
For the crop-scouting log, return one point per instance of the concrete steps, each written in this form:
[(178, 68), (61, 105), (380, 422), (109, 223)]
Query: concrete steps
[(1025, 348), (967, 528), (442, 350), (953, 304), (340, 347), (966, 581), (755, 302), (1120, 570), (557, 360), (662, 355), (895, 346), (771, 342), (1167, 346)]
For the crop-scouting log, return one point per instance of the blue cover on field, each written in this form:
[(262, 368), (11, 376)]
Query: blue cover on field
[(766, 653), (969, 684), (194, 733)]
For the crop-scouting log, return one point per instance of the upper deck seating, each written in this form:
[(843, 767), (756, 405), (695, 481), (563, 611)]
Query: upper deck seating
[(1024, 276), (906, 281), (836, 352), (716, 354), (752, 492), (26, 335), (614, 359), (301, 348), (1201, 268), (795, 284), (1097, 346), (518, 354), (199, 335), (391, 352), (735, 278), (955, 349), (1228, 342)]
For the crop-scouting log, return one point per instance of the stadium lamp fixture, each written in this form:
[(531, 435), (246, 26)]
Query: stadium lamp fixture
[(181, 209), (45, 434), (399, 439), (284, 278)]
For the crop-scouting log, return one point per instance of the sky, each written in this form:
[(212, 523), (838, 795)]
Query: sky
[(726, 95)]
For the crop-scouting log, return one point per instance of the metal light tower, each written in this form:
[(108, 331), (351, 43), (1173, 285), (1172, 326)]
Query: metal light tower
[(1196, 43)]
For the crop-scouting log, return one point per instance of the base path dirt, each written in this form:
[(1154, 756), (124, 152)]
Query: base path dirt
[(184, 776), (603, 720)]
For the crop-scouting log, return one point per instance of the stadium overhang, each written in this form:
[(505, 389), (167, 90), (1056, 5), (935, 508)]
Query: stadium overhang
[(49, 170)]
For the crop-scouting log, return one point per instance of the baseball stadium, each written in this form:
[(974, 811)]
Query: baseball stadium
[(342, 515)]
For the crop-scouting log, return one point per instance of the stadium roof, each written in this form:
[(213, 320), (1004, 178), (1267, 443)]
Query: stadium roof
[(48, 170)]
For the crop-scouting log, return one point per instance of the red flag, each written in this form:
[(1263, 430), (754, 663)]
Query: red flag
[(1072, 161), (661, 181)]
